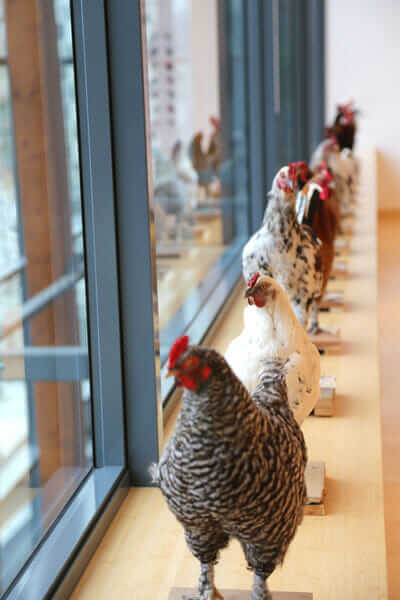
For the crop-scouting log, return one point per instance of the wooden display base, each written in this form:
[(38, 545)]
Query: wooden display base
[(325, 338), (315, 482), (325, 404), (339, 270), (182, 593), (342, 244), (332, 300)]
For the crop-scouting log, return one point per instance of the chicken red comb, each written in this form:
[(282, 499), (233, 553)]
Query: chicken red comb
[(325, 192), (346, 113), (292, 171), (178, 348), (302, 166), (216, 122), (251, 282), (327, 175)]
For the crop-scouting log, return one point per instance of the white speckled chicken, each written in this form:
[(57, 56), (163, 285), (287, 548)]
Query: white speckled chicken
[(234, 467), (285, 250), (272, 332)]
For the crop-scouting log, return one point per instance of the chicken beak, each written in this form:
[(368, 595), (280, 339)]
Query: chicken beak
[(248, 292), (172, 373)]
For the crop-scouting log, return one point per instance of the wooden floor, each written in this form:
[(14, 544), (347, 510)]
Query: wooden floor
[(339, 556), (389, 338)]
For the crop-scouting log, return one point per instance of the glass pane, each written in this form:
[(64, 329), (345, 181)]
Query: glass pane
[(45, 415), (196, 83), (288, 125)]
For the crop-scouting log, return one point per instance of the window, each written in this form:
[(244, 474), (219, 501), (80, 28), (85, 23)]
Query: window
[(47, 451), (135, 152), (196, 80)]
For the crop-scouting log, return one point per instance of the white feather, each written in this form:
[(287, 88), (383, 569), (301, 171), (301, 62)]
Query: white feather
[(274, 332)]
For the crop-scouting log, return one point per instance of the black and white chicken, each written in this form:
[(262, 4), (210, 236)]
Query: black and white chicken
[(234, 467), (285, 250)]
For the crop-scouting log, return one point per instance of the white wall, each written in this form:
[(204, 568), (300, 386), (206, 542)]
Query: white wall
[(363, 62)]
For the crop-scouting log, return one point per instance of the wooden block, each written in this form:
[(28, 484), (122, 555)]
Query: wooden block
[(332, 299), (315, 510), (315, 482), (325, 338), (339, 269), (325, 404), (342, 244), (183, 593)]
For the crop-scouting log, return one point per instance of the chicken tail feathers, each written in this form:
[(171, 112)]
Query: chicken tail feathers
[(271, 389)]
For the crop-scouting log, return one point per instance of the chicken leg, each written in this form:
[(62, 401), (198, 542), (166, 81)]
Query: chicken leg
[(260, 589), (207, 589)]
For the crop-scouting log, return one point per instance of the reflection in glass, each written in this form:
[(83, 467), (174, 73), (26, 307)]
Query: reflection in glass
[(198, 138), (45, 416)]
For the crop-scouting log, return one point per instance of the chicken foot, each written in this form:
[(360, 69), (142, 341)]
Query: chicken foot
[(260, 589), (207, 589)]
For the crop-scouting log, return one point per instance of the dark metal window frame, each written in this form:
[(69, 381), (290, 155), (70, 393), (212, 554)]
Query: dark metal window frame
[(120, 257)]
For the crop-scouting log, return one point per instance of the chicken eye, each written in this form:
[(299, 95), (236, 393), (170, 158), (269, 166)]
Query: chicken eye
[(190, 363)]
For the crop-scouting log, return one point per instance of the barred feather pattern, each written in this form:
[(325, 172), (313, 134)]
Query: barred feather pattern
[(288, 252), (235, 467)]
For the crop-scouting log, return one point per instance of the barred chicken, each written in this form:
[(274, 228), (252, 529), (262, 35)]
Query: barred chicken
[(317, 207), (272, 332), (234, 467), (285, 250)]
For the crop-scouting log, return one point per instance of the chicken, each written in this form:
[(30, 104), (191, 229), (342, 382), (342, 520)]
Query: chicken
[(344, 168), (206, 164), (337, 151), (182, 164), (317, 206), (234, 467), (345, 126), (272, 332), (285, 250)]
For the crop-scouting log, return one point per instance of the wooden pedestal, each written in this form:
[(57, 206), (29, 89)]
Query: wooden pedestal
[(342, 244), (315, 482), (325, 404), (339, 270), (334, 299), (183, 593), (325, 338)]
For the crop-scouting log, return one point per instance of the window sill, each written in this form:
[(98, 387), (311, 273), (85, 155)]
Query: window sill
[(88, 512)]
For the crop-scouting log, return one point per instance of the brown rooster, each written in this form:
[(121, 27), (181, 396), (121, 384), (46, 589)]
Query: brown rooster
[(317, 206)]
